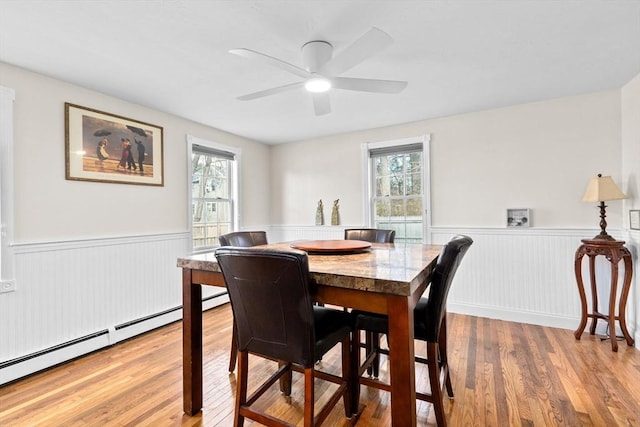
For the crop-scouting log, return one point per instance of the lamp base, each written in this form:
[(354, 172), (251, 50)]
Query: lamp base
[(604, 236)]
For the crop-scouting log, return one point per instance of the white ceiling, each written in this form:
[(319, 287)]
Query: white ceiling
[(458, 56)]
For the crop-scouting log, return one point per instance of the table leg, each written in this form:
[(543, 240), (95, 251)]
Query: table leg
[(583, 297), (191, 344), (622, 318), (594, 293), (401, 367), (612, 300)]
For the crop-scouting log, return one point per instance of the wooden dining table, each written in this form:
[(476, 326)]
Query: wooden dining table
[(386, 278)]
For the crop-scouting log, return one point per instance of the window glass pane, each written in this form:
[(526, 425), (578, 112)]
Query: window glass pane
[(218, 177), (398, 193), (382, 209), (396, 170), (211, 193), (397, 208), (414, 184), (414, 208)]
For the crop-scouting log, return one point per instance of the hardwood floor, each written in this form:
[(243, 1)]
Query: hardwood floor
[(504, 374)]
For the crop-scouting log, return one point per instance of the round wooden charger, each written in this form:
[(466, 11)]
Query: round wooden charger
[(331, 246)]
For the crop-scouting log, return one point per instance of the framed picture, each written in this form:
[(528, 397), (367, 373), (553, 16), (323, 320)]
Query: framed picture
[(634, 219), (105, 147), (518, 218)]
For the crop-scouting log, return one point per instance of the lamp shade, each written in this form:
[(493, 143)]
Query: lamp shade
[(602, 188)]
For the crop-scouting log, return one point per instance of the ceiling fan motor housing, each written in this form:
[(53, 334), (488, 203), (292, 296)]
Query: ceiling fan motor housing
[(315, 54)]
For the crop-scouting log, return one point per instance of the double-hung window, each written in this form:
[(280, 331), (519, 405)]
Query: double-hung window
[(214, 171), (398, 188)]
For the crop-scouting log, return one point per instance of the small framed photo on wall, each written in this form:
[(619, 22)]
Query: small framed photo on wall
[(518, 218), (634, 219)]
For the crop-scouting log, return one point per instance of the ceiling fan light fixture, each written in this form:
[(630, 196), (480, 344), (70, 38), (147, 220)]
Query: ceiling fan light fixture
[(317, 85)]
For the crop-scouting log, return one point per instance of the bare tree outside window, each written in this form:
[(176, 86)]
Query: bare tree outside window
[(211, 198)]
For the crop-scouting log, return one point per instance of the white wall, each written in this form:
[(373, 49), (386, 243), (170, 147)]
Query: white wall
[(537, 156), (630, 100), (50, 208)]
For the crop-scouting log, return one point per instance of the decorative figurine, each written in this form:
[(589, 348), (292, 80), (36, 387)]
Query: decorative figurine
[(320, 213), (335, 215)]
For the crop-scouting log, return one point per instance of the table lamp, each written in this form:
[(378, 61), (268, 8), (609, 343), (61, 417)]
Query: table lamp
[(602, 189)]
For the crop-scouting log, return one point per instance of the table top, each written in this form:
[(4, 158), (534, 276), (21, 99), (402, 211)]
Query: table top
[(388, 268)]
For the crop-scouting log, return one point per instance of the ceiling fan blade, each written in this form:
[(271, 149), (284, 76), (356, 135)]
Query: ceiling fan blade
[(321, 103), (370, 43), (368, 85), (275, 62), (271, 91)]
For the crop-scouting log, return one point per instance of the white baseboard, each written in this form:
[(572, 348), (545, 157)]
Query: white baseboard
[(548, 320), (37, 362)]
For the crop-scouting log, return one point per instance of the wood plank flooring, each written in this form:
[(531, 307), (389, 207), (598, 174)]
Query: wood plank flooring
[(504, 374)]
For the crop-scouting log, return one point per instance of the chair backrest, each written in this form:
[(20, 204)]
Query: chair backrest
[(441, 279), (374, 235), (271, 303), (243, 238)]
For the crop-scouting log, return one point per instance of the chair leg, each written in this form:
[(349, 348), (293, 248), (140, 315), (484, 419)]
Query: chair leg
[(285, 380), (372, 346), (241, 388), (375, 339), (355, 371), (234, 348), (368, 346), (347, 375), (308, 398), (444, 362), (434, 381)]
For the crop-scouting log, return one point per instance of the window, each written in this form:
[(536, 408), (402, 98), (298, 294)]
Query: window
[(397, 190), (213, 192)]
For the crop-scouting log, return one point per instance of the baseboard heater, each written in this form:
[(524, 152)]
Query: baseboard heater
[(84, 345)]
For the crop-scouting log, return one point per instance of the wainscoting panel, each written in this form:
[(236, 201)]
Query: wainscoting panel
[(524, 275), (527, 275), (72, 298), (75, 297)]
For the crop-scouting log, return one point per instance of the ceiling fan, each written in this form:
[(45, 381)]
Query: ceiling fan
[(321, 71)]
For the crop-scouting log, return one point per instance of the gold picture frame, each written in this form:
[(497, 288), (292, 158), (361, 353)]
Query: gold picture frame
[(104, 147)]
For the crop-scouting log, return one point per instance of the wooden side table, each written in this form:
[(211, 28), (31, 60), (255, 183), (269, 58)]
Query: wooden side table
[(614, 251)]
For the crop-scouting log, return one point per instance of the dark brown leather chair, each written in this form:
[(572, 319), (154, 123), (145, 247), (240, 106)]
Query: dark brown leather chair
[(275, 318), (242, 239), (374, 235), (430, 317)]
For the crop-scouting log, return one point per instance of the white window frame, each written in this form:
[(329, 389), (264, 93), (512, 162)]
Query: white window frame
[(236, 185), (7, 256), (367, 178)]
